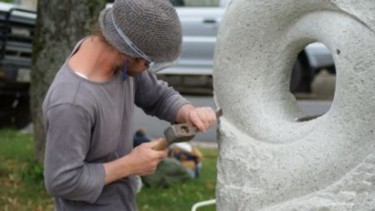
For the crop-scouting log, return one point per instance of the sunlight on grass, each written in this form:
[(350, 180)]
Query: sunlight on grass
[(22, 182)]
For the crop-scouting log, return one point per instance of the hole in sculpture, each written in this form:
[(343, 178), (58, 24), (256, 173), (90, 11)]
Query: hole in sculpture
[(313, 80)]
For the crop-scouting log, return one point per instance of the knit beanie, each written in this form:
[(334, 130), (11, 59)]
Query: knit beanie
[(152, 25)]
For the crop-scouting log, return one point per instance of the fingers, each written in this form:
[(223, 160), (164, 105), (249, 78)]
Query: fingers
[(153, 142), (145, 159), (202, 117), (160, 154)]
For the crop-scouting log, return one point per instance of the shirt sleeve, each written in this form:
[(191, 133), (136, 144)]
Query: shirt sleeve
[(66, 173), (156, 98)]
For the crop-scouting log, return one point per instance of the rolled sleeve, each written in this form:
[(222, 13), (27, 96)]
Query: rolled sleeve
[(67, 174)]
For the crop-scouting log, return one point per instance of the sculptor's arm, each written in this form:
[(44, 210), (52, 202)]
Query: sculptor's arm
[(68, 175), (157, 99), (142, 161)]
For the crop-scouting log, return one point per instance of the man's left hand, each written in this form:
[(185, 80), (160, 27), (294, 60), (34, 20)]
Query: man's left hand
[(201, 117)]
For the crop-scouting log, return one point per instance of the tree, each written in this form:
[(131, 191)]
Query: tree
[(60, 24)]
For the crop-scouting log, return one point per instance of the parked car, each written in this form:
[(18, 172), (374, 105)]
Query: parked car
[(16, 33), (191, 75), (200, 21)]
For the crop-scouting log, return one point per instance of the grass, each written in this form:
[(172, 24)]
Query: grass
[(20, 189), (183, 196), (22, 182)]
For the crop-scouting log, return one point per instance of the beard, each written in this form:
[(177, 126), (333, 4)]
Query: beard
[(132, 72), (118, 65), (131, 69)]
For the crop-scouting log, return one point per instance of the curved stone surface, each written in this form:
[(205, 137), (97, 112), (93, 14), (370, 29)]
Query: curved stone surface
[(267, 160)]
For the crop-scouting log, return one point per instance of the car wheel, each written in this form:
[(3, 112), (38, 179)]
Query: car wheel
[(15, 113), (22, 116), (302, 76), (297, 75)]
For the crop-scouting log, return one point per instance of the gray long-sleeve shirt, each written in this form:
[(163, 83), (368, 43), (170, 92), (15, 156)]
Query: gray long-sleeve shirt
[(89, 123)]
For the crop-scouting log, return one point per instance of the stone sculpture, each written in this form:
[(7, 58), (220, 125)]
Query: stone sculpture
[(267, 160)]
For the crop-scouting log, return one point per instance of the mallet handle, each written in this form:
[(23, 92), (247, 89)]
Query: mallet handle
[(161, 145)]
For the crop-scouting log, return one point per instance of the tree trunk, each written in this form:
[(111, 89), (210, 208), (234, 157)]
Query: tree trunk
[(60, 24)]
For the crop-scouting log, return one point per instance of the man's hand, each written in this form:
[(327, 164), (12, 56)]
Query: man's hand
[(201, 117), (142, 160)]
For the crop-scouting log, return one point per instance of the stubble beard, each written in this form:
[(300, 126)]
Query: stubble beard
[(118, 65)]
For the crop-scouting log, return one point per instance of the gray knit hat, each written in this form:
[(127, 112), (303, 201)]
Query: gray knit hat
[(152, 25)]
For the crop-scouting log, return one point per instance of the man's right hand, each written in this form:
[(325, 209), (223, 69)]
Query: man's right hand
[(141, 161), (144, 159)]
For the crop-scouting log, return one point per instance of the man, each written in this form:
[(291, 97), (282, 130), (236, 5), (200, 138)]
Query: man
[(89, 162)]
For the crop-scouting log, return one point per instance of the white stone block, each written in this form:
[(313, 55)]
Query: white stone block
[(267, 160)]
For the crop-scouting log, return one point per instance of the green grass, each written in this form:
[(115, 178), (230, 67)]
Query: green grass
[(22, 185), (15, 145), (21, 188), (183, 196)]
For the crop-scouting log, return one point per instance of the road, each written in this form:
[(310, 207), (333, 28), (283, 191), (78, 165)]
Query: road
[(318, 102), (155, 127)]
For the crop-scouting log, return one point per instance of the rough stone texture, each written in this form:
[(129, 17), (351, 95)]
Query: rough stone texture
[(268, 161)]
